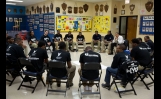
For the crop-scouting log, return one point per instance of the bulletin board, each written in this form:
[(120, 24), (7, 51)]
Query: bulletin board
[(73, 23), (101, 23), (41, 22), (147, 25)]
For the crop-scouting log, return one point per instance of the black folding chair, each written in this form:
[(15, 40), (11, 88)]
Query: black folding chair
[(147, 71), (126, 43), (61, 74), (38, 74), (10, 71), (122, 73), (91, 67)]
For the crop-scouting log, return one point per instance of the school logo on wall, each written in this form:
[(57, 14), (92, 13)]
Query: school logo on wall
[(9, 10)]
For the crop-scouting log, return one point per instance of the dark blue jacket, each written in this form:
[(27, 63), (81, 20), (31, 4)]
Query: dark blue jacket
[(97, 37), (109, 37)]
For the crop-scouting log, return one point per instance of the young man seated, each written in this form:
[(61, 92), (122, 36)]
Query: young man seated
[(42, 57), (88, 56), (96, 39), (64, 56), (118, 59), (107, 41), (80, 40), (9, 40), (57, 39), (13, 52), (23, 46), (140, 54), (32, 40), (69, 40), (47, 40)]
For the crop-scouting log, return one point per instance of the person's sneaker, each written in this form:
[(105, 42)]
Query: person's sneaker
[(106, 86), (123, 84), (90, 88), (69, 85), (58, 84)]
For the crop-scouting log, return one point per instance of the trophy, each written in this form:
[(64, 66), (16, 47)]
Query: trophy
[(96, 9)]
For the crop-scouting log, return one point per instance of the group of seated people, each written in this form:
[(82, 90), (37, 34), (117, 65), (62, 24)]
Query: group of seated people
[(141, 52), (68, 39)]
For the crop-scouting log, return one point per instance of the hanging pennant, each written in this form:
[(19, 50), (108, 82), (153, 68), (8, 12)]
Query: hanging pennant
[(64, 6), (101, 9), (149, 6), (57, 10), (75, 9), (44, 8), (40, 9), (106, 7), (37, 8), (47, 9), (132, 7), (80, 10), (85, 7), (96, 9), (69, 9), (51, 7), (115, 10)]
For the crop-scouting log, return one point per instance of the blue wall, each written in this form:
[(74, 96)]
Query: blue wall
[(12, 14), (15, 7)]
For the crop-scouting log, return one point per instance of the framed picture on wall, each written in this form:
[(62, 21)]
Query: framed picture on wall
[(122, 12), (41, 29), (20, 19), (15, 20), (10, 19)]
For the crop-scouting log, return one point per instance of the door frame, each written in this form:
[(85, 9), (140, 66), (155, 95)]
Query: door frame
[(126, 23)]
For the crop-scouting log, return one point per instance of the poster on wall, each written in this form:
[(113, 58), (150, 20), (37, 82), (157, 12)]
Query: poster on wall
[(10, 19), (41, 20), (41, 29), (35, 27), (101, 23), (20, 19), (40, 15), (74, 23), (147, 25), (15, 20)]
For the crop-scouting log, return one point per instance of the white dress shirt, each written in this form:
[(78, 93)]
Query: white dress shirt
[(119, 40)]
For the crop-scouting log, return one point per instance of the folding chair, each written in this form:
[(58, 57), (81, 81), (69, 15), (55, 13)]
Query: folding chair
[(106, 46), (127, 72), (147, 71), (126, 43), (60, 67), (26, 62), (91, 67), (80, 46), (10, 71)]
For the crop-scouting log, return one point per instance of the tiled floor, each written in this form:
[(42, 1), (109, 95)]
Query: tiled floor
[(40, 91)]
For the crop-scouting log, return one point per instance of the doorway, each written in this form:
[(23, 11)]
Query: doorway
[(128, 27)]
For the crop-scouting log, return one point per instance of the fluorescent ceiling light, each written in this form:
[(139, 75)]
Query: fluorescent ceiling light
[(14, 0), (127, 1), (11, 3)]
